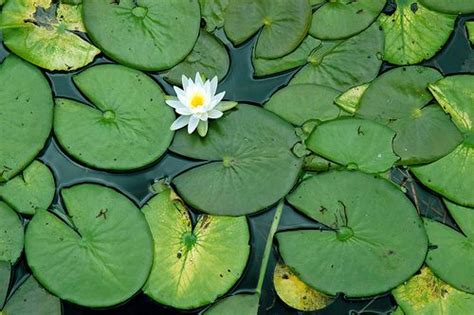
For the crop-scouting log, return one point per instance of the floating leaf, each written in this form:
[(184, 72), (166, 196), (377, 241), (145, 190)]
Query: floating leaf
[(128, 126), (360, 210), (300, 103), (414, 33), (425, 294), (31, 298), (41, 32), (33, 189), (5, 274), (399, 98), (350, 100), (355, 143), (209, 57), (239, 304), (248, 150), (451, 176), (450, 253), (450, 6), (24, 132), (143, 35), (295, 293), (102, 260), (193, 266), (11, 234), (343, 64), (212, 12), (283, 24), (338, 19), (470, 31)]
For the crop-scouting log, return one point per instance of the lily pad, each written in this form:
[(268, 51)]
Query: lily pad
[(451, 253), (414, 33), (451, 175), (127, 127), (193, 266), (355, 143), (283, 25), (341, 18), (33, 189), (143, 34), (239, 304), (41, 32), (31, 298), (298, 57), (470, 31), (247, 150), (213, 12), (11, 234), (102, 260), (24, 132), (209, 57), (5, 274), (343, 64), (399, 99), (360, 211), (450, 6), (425, 294), (300, 103), (295, 293), (349, 101)]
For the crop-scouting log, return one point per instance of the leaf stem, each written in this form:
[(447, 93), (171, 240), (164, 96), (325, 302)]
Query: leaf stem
[(268, 245)]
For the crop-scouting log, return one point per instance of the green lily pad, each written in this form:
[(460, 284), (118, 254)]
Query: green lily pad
[(349, 101), (451, 175), (300, 103), (11, 234), (248, 150), (31, 298), (239, 304), (451, 253), (143, 34), (283, 24), (295, 293), (338, 19), (343, 64), (355, 143), (128, 125), (212, 12), (450, 6), (425, 294), (414, 33), (360, 210), (24, 132), (298, 57), (41, 32), (5, 274), (399, 99), (193, 266), (470, 31), (33, 189), (209, 57), (102, 260)]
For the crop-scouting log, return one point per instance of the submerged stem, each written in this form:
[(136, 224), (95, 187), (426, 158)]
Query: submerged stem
[(268, 245)]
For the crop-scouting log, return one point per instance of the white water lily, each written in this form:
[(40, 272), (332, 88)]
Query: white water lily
[(197, 103)]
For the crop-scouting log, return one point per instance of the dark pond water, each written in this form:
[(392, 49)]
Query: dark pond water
[(456, 57)]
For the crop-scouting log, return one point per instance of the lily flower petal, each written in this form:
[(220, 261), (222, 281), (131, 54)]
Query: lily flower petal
[(215, 114), (180, 122), (193, 123)]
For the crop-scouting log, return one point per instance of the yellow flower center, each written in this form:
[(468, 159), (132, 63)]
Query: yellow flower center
[(197, 100)]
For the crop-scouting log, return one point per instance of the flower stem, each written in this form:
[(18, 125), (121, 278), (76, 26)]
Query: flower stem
[(268, 245)]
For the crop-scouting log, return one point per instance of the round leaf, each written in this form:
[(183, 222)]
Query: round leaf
[(239, 304), (450, 6), (103, 260), (414, 33), (212, 12), (193, 266), (300, 103), (128, 127), (248, 150), (283, 24), (343, 64), (356, 143), (41, 32), (470, 31), (143, 34), (350, 100), (341, 18), (33, 189), (5, 274), (364, 253), (209, 57), (24, 132), (11, 234)]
